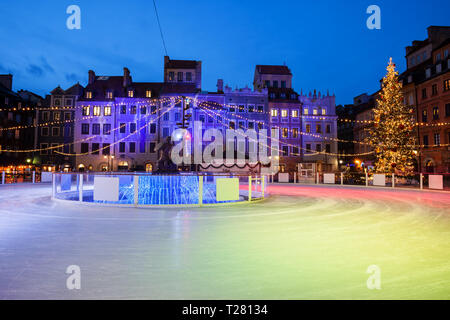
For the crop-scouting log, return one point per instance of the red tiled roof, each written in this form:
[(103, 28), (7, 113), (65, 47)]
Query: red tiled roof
[(266, 69)]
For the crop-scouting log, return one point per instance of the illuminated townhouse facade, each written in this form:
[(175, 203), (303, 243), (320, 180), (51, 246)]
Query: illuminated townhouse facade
[(426, 88), (56, 121)]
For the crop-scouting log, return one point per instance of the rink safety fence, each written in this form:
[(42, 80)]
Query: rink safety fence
[(149, 190), (421, 181)]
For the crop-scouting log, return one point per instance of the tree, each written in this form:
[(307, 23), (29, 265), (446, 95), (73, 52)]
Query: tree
[(392, 136)]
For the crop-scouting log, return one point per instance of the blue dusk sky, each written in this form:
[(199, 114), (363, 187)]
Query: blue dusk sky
[(326, 44)]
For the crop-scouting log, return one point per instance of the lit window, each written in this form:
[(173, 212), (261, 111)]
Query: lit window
[(294, 113), (86, 111), (274, 112), (109, 95), (284, 113), (308, 128), (96, 110), (284, 132), (324, 112), (107, 111), (148, 93), (305, 111), (315, 112), (89, 95), (130, 93), (295, 133)]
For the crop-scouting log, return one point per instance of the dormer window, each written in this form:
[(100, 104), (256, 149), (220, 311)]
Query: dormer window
[(438, 57), (130, 93), (171, 76), (188, 76), (180, 76), (148, 93), (89, 95), (109, 95)]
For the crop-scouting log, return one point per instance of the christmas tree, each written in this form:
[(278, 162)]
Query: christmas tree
[(392, 135)]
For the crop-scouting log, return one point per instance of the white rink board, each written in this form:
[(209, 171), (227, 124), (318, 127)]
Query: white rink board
[(379, 180), (329, 178), (436, 181), (283, 177), (106, 189), (227, 189), (46, 176)]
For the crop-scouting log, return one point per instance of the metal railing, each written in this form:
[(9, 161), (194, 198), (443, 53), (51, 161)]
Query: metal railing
[(9, 177)]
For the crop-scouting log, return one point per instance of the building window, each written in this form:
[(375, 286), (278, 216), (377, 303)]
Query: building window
[(251, 125), (424, 93), (86, 110), (109, 95), (328, 128), (148, 93), (241, 124), (285, 150), (324, 112), (318, 128), (283, 84), (275, 84), (152, 147), (45, 131), (180, 77), (315, 111), (284, 132), (308, 128), (295, 151), (96, 128), (171, 76), (122, 147), (133, 110), (437, 139), (294, 113), (89, 95), (425, 141), (447, 85), (107, 110), (44, 147), (130, 93), (166, 116), (96, 148), (85, 128), (274, 113), (251, 109), (153, 128), (241, 108), (96, 111), (305, 111), (267, 83), (68, 102), (56, 116), (106, 149), (55, 131), (284, 113), (123, 128), (165, 132), (67, 115), (132, 127), (447, 110), (328, 148), (434, 89), (261, 109), (123, 109), (45, 116), (231, 125), (188, 76), (85, 147), (143, 110), (436, 113), (294, 132), (318, 148), (308, 147), (424, 115), (438, 57), (132, 147), (106, 129)]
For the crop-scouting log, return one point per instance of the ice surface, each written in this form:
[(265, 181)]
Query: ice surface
[(304, 242)]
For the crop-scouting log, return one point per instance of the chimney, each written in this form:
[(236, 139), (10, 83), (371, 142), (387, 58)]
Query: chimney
[(91, 76), (126, 77), (6, 80), (220, 85)]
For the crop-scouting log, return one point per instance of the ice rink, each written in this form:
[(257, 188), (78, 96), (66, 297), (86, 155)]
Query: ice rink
[(304, 242)]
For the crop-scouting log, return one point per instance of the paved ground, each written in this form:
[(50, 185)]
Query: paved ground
[(304, 242)]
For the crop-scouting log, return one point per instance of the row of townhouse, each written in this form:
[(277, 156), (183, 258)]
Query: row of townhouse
[(115, 123)]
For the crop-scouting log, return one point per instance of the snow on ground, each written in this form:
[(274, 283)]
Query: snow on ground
[(304, 242)]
